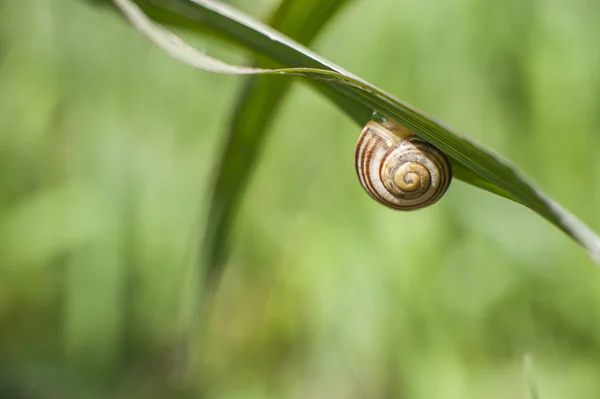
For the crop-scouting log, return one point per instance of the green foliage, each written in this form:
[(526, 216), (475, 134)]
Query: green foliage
[(108, 150)]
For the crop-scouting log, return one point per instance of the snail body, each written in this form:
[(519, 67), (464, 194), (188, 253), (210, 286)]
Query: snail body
[(399, 169)]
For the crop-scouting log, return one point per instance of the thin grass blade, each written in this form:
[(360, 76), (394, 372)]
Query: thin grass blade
[(255, 109)]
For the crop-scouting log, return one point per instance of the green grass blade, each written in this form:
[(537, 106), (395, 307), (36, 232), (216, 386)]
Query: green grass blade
[(255, 109), (532, 385), (470, 157)]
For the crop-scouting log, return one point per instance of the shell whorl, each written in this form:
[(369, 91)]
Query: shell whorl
[(398, 169)]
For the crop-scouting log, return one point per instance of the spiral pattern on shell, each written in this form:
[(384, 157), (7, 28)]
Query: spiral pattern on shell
[(399, 169)]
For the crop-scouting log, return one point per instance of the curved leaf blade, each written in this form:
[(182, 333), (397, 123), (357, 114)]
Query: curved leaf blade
[(492, 172)]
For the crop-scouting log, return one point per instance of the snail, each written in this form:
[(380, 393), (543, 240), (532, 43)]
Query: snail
[(399, 169)]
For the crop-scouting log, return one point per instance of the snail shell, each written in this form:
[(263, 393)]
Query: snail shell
[(399, 169)]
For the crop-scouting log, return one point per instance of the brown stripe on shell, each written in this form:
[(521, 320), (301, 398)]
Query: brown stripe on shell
[(358, 156), (364, 153)]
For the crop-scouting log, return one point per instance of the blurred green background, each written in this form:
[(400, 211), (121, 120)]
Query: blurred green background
[(107, 152)]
